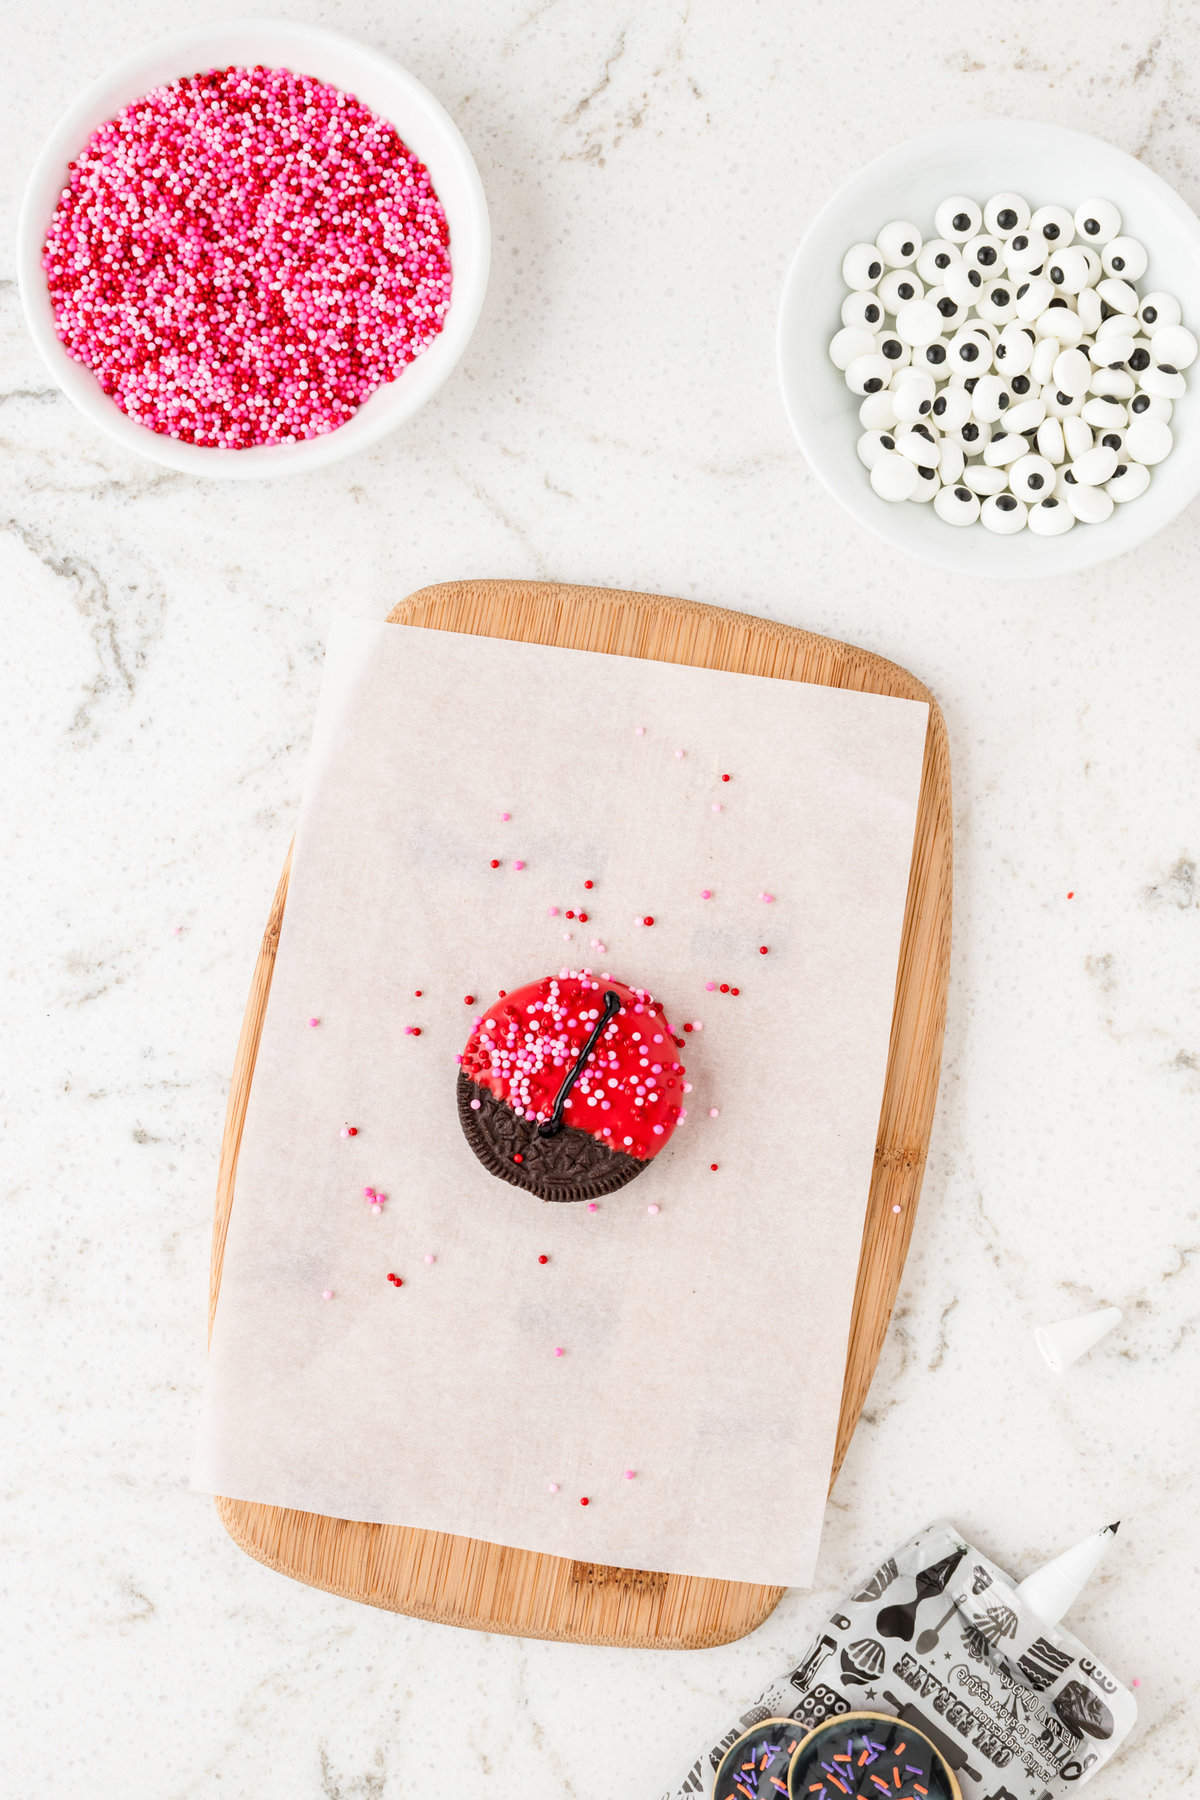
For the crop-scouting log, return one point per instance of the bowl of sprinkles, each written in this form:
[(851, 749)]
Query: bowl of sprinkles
[(985, 349), (253, 249)]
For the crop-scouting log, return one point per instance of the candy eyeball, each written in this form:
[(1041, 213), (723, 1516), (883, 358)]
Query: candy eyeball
[(1020, 384), (1050, 518), (1072, 371), (1090, 505), (913, 396), (872, 445), (951, 461), (1055, 225), (1050, 441), (1104, 415), (932, 357), (1023, 254), (899, 243), (1013, 350), (928, 486), (963, 283), (893, 477), (996, 303), (1148, 406), (898, 287), (982, 479), (1004, 214), (1174, 347), (1158, 309), (1113, 348), (950, 309), (1041, 366), (918, 322), (867, 374), (952, 408), (1060, 404), (1118, 294), (1006, 447), (974, 436), (1125, 257), (957, 219), (1031, 478), (894, 350), (1097, 221), (969, 352), (1095, 466), (984, 253), (1004, 514), (862, 266), (1033, 297), (1163, 383), (862, 311), (849, 342), (918, 443), (1115, 440), (1090, 308), (938, 255), (1025, 415), (1148, 440), (1061, 322), (956, 505), (1078, 438), (1069, 269), (990, 399), (1130, 481)]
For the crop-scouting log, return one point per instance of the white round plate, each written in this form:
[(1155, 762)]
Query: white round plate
[(1044, 163), (380, 84)]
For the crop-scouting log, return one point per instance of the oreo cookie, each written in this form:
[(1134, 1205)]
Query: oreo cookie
[(865, 1755), (570, 1086)]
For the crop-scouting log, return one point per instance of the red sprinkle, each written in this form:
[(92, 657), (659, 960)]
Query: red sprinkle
[(583, 918), (714, 1167), (468, 999), (589, 884), (414, 1030), (727, 778), (762, 949), (735, 990), (688, 1026), (518, 1157), (495, 862), (584, 1501), (395, 1281), (724, 987), (649, 919), (570, 914), (352, 1131), (543, 1259), (1071, 895), (417, 993)]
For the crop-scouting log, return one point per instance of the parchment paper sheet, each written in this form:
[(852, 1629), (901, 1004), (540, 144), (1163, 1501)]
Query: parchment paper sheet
[(704, 1346)]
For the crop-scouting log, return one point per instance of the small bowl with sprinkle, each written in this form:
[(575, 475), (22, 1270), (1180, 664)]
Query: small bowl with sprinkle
[(1004, 211), (253, 249)]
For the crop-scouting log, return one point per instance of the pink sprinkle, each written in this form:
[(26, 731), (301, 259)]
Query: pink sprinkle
[(376, 1208), (369, 1194), (654, 1209), (196, 258), (506, 817), (768, 898), (629, 1474), (679, 756), (553, 1486), (431, 1259), (552, 911), (314, 1021), (895, 1209), (475, 1105), (1135, 1682), (518, 865), (327, 1294), (592, 1206), (379, 1199), (559, 1351), (345, 1131), (717, 807), (714, 1112), (639, 731), (710, 987), (706, 893)]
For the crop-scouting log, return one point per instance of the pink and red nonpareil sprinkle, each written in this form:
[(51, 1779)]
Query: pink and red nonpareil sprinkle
[(242, 257)]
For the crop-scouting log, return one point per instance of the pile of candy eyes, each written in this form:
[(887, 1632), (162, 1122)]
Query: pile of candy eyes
[(1009, 369)]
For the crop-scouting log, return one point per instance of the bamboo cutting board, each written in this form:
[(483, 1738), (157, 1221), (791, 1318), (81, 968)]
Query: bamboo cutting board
[(463, 1581)]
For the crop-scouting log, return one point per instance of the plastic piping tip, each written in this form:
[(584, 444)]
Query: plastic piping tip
[(1064, 1342)]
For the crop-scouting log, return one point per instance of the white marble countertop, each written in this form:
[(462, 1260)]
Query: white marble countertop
[(614, 421)]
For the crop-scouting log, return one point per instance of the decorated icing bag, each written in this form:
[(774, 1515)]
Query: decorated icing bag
[(941, 1639)]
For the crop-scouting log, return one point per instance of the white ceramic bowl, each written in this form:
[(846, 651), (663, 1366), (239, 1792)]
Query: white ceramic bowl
[(380, 84), (1044, 163)]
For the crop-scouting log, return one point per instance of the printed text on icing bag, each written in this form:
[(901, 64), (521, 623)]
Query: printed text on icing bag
[(941, 1638)]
